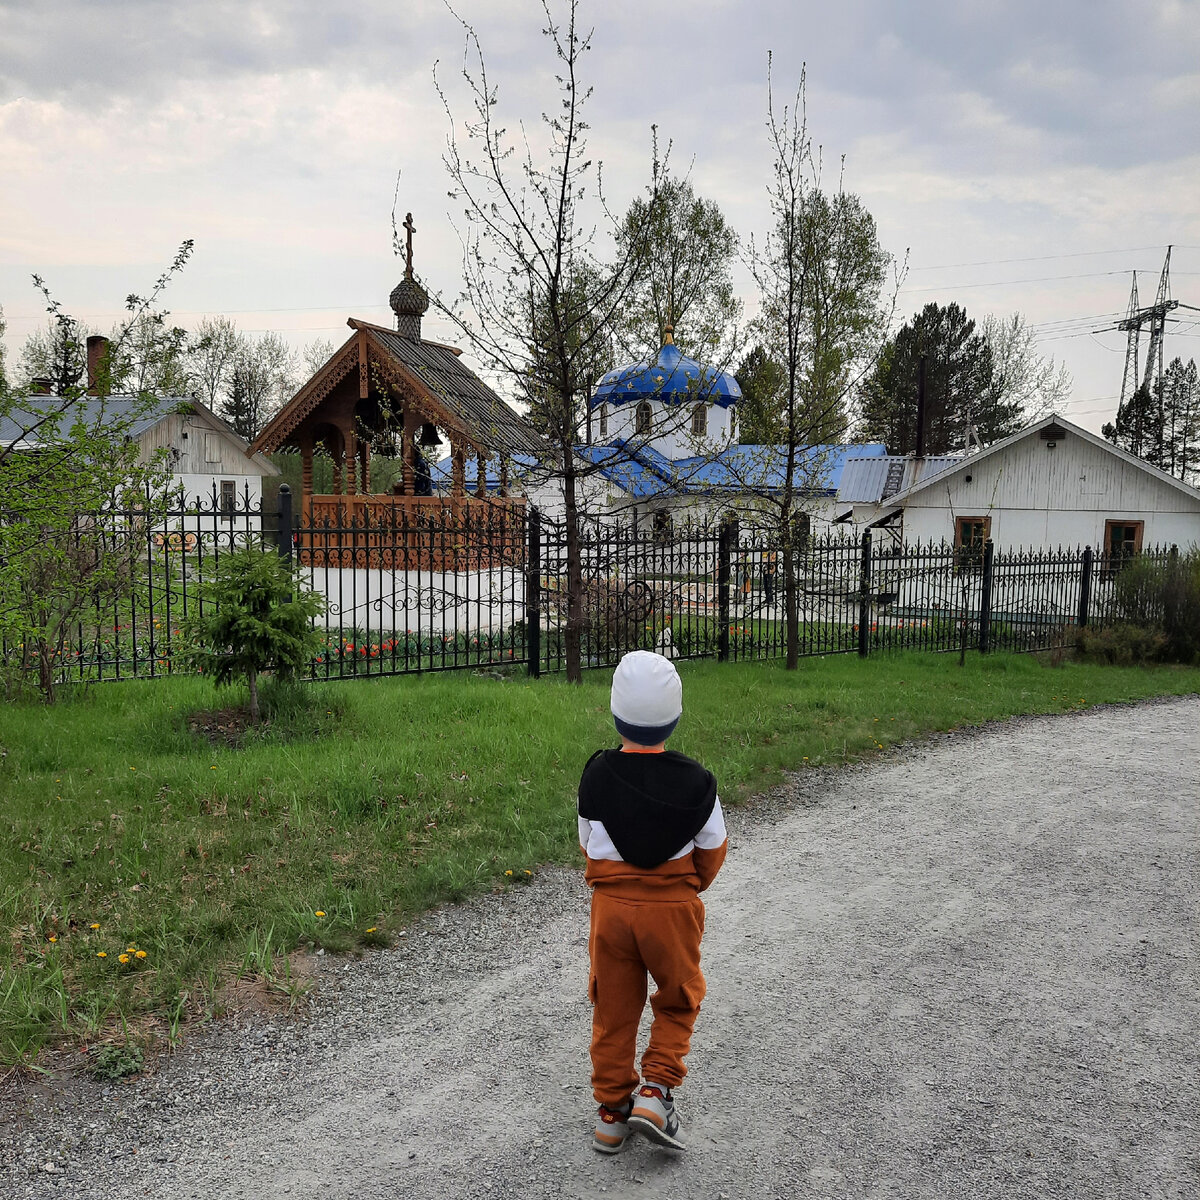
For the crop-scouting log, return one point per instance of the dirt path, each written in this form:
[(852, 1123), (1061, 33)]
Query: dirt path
[(967, 971)]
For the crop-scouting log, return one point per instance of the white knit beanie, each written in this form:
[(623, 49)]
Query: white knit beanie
[(647, 697)]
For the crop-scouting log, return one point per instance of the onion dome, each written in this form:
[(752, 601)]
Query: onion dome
[(409, 300), (668, 377)]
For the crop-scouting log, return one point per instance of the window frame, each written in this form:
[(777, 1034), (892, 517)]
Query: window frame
[(227, 502), (970, 554), (1113, 560), (643, 419), (700, 420), (603, 420)]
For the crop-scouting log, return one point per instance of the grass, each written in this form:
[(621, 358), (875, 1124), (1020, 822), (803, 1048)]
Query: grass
[(142, 870)]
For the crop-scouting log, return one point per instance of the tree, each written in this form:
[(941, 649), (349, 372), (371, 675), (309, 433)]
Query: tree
[(316, 354), (57, 352), (762, 381), (687, 277), (1181, 420), (147, 357), (820, 271), (212, 352), (75, 499), (3, 355), (1020, 375), (1161, 424), (537, 296), (259, 617), (959, 387), (262, 378)]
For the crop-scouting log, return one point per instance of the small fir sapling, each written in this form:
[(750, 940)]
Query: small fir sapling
[(258, 616)]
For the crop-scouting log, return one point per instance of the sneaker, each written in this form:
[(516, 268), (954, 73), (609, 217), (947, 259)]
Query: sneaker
[(612, 1128), (654, 1117)]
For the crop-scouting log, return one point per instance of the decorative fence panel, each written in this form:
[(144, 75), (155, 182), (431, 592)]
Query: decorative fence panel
[(482, 584)]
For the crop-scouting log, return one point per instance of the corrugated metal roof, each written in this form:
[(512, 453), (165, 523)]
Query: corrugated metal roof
[(493, 422), (92, 411), (868, 480)]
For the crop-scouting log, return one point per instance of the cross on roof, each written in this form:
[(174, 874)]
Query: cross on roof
[(408, 225)]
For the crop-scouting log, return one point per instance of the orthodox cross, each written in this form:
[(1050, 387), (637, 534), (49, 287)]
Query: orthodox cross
[(408, 225)]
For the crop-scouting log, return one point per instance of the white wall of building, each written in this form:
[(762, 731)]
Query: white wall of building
[(1042, 497), (671, 427)]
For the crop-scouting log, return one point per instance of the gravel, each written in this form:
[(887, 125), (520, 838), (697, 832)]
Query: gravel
[(968, 969)]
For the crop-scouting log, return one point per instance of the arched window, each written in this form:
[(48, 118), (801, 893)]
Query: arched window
[(732, 424), (604, 420), (700, 420), (643, 417)]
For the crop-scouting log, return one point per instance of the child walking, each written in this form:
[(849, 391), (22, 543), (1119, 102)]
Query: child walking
[(650, 824)]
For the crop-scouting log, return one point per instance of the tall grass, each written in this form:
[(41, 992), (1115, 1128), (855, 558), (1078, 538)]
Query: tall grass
[(123, 833)]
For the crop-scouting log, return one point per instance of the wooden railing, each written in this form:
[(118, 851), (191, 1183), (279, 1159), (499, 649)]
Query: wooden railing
[(412, 533)]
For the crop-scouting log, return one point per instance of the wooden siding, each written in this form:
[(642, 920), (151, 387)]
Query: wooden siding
[(1039, 496), (193, 457)]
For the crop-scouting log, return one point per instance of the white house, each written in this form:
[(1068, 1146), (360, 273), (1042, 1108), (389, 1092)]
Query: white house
[(209, 463), (1052, 484)]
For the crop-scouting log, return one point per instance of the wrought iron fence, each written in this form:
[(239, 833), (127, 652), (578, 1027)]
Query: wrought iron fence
[(427, 584)]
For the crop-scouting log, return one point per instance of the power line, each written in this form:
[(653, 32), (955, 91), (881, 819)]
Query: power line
[(995, 262)]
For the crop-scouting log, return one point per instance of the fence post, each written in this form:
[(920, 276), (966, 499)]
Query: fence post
[(724, 561), (533, 595), (864, 595), (283, 533), (985, 599), (1085, 587)]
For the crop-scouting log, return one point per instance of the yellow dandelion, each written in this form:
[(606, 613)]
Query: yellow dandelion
[(528, 872), (130, 949), (94, 925), (213, 767), (140, 954), (53, 938), (123, 958), (101, 953), (508, 872), (371, 930), (318, 913)]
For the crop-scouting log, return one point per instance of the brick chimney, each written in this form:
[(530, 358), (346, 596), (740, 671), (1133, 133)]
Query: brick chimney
[(97, 362)]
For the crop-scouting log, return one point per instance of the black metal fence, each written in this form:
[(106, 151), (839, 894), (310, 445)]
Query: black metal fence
[(435, 585)]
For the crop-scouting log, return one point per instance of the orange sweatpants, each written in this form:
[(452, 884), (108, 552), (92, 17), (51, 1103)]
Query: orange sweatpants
[(629, 939)]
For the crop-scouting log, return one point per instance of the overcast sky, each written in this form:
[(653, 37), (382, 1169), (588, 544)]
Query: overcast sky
[(1028, 155)]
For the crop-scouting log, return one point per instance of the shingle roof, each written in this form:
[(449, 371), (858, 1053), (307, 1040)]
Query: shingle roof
[(468, 406)]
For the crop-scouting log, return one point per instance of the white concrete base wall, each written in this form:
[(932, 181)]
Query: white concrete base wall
[(440, 604)]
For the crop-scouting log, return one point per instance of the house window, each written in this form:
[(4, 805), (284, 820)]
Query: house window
[(228, 498), (733, 424), (662, 525), (699, 420), (604, 420), (643, 418), (970, 534), (801, 531), (1122, 540)]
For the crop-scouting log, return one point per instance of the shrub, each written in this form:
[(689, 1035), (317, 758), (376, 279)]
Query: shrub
[(1165, 597), (1121, 645), (258, 617)]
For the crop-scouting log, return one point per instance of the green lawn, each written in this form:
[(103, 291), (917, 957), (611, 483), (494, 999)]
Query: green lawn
[(120, 828)]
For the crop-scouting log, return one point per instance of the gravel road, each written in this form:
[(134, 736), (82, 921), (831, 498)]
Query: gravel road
[(966, 970)]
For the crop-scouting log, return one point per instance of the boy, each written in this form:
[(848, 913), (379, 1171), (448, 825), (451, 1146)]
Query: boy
[(651, 827)]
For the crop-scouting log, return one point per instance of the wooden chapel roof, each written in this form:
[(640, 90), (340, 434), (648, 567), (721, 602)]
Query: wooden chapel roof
[(445, 391)]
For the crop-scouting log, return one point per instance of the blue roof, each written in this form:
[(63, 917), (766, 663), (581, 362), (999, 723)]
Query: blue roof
[(644, 473), (668, 377)]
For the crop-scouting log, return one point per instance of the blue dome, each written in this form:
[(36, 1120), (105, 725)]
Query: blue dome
[(668, 377)]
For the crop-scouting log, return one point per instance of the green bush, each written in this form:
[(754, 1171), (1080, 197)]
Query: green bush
[(1164, 597), (1121, 645)]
